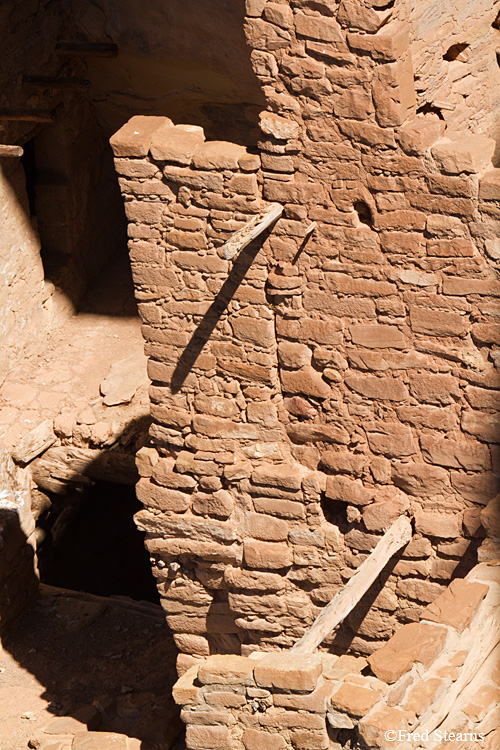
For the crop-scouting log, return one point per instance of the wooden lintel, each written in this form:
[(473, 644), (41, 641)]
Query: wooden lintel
[(10, 151), (57, 82), (86, 49), (63, 466), (344, 602), (255, 226), (26, 114)]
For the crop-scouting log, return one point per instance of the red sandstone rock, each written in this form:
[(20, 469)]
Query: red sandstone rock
[(134, 138), (294, 672), (416, 642), (470, 154), (457, 605), (267, 555)]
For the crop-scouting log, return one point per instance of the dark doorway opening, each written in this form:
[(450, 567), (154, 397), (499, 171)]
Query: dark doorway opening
[(102, 551)]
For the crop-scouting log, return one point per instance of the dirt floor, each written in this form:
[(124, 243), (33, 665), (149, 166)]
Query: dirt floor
[(78, 663)]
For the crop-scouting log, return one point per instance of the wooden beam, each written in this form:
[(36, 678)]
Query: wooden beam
[(9, 152), (255, 226), (344, 602), (26, 114), (57, 82), (86, 49), (63, 466), (36, 441)]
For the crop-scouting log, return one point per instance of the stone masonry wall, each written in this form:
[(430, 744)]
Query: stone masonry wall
[(350, 377), (320, 701)]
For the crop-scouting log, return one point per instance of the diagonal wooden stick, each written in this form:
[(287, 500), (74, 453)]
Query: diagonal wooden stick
[(255, 226), (344, 602)]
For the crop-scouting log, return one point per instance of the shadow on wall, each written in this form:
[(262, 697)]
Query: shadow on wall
[(185, 59)]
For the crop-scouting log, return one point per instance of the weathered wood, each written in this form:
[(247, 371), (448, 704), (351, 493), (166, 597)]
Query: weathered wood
[(252, 229), (11, 151), (35, 442), (344, 602), (64, 465), (87, 49), (57, 82), (26, 114)]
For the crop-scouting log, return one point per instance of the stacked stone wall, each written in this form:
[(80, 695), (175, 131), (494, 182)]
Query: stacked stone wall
[(333, 376), (434, 684)]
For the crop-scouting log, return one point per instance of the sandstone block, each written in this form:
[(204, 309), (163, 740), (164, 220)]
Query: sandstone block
[(218, 504), (134, 138), (445, 226), (176, 144), (276, 507), (294, 355), (419, 590), (217, 155), (306, 381), (279, 127), (294, 672), (343, 462), (350, 491), (216, 427), (355, 103), (265, 36), (320, 28), (435, 389), (436, 322), (417, 136), (484, 426), (378, 336), (458, 286), (372, 728), (444, 418), (184, 691), (386, 389), (256, 739), (208, 738), (471, 154), (267, 555), (489, 186), (226, 669), (490, 518), (253, 331), (415, 642), (380, 515), (420, 479), (388, 44), (390, 439), (354, 699), (472, 456), (457, 605), (486, 333), (477, 488), (393, 92), (266, 528), (283, 476)]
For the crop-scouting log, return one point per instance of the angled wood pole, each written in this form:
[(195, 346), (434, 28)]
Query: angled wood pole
[(255, 226), (344, 602)]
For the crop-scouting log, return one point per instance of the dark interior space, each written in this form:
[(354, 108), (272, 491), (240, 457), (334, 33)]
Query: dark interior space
[(101, 552)]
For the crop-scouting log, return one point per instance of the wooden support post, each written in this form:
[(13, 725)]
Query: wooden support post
[(255, 226), (57, 82), (86, 49), (25, 114), (10, 152), (344, 602)]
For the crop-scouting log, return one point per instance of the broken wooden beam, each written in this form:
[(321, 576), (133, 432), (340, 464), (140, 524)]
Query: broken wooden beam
[(57, 82), (252, 229), (67, 465), (36, 441), (26, 114), (344, 602), (9, 152), (86, 49)]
